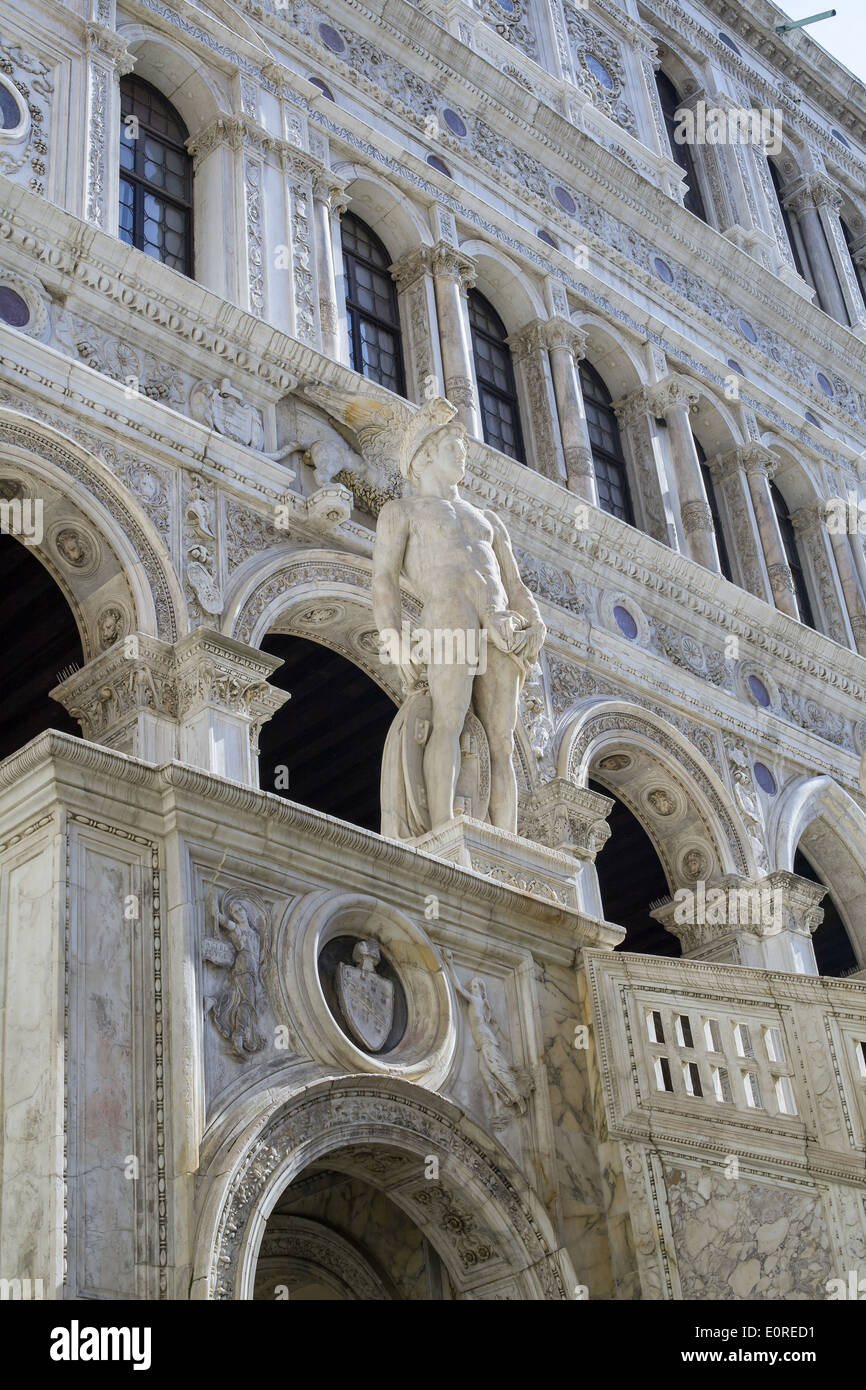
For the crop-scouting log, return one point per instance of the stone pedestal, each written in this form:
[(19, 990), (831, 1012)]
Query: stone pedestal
[(764, 923), (550, 874), (202, 701)]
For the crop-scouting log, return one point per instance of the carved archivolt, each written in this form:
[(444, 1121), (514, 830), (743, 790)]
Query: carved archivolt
[(159, 609), (628, 726), (247, 1175)]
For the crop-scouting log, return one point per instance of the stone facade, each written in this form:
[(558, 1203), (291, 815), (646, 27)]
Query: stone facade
[(186, 1112)]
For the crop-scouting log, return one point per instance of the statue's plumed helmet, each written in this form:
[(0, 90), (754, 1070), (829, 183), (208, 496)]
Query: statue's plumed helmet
[(433, 416)]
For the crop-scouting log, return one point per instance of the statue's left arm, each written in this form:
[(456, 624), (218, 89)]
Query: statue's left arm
[(520, 600)]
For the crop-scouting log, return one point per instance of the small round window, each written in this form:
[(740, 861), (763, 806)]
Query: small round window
[(13, 309), (625, 622), (13, 112)]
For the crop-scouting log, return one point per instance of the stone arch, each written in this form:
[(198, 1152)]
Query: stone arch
[(618, 364), (198, 92), (126, 564), (324, 595), (703, 821), (398, 224), (713, 423), (799, 482), (482, 1217), (293, 1245), (819, 816), (516, 298)]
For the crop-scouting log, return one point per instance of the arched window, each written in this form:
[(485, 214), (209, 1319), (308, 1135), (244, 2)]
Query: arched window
[(859, 268), (497, 390), (792, 555), (155, 176), (670, 102), (375, 341), (611, 476), (713, 503)]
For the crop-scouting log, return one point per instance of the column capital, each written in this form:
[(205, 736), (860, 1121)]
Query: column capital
[(810, 517), (104, 42), (447, 263), (159, 702), (753, 458), (527, 340), (329, 190), (630, 408), (411, 266), (765, 923), (561, 333), (812, 191), (674, 392), (567, 818)]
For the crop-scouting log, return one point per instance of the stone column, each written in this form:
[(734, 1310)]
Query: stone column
[(674, 398), (765, 923), (328, 203), (453, 275), (849, 579), (417, 298), (827, 596), (746, 550), (654, 504), (566, 345), (532, 369), (202, 701), (760, 465), (811, 201)]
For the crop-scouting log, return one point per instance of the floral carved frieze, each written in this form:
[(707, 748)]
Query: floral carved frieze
[(24, 157)]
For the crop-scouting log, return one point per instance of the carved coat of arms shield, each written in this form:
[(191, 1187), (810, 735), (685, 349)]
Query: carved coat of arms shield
[(366, 999)]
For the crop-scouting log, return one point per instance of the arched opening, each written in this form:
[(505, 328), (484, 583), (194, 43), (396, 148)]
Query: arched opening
[(372, 310), (335, 1235), (792, 555), (834, 953), (324, 747), (155, 176), (680, 150), (713, 503), (632, 882), (608, 459), (494, 372), (40, 643)]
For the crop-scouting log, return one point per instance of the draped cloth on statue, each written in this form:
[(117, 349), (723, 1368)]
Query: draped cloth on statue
[(404, 799)]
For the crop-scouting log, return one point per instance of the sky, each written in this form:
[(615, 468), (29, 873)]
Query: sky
[(844, 36)]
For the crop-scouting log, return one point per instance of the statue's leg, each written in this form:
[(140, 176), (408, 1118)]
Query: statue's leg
[(495, 696), (450, 692)]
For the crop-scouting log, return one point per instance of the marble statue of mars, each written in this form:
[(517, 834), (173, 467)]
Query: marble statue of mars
[(458, 559)]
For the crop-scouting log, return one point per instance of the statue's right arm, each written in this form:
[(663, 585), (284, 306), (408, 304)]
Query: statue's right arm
[(392, 533)]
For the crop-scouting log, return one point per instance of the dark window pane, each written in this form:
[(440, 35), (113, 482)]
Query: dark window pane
[(611, 476), (792, 555), (375, 344), (670, 102), (156, 187), (497, 391)]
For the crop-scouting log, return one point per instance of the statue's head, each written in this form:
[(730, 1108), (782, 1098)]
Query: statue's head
[(434, 440)]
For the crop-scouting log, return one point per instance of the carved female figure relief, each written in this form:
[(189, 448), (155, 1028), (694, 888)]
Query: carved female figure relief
[(237, 943)]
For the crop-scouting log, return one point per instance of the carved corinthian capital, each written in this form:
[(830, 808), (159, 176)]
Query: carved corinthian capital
[(675, 391), (447, 263)]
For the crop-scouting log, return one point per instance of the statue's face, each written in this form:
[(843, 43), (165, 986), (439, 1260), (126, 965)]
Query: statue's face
[(443, 461)]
